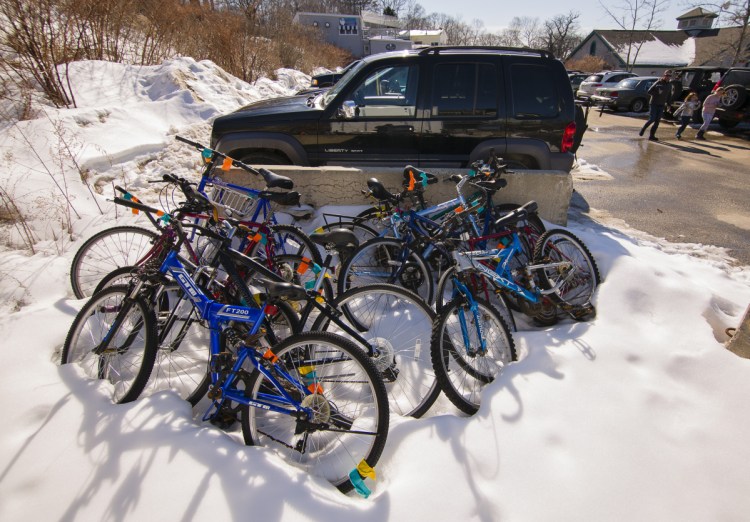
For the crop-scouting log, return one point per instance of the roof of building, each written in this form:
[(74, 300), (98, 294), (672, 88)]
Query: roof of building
[(698, 12), (671, 48)]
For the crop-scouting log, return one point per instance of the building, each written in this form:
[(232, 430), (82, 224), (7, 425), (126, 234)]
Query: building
[(695, 42), (425, 37), (362, 35)]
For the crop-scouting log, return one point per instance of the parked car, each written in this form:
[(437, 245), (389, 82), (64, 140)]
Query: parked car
[(328, 79), (630, 94), (588, 87), (576, 79), (432, 107), (701, 79), (735, 104)]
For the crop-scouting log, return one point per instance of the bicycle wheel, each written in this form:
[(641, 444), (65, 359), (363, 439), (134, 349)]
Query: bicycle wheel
[(574, 285), (129, 357), (462, 368), (397, 323), (104, 252), (479, 285), (387, 260), (289, 240), (348, 420)]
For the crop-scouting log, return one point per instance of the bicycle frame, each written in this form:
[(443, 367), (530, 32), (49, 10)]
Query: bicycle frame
[(217, 315)]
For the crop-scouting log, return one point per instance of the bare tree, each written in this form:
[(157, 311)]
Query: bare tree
[(633, 16), (561, 34), (524, 32)]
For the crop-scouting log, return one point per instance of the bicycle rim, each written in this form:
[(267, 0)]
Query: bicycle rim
[(129, 358)]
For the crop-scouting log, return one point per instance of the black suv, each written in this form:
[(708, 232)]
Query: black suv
[(435, 107), (735, 106), (702, 79)]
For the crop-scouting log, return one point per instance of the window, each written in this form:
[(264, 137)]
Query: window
[(464, 89), (387, 92), (534, 96), (592, 48)]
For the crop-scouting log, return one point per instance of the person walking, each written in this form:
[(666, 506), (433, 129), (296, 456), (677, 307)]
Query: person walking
[(686, 110), (710, 104), (659, 93)]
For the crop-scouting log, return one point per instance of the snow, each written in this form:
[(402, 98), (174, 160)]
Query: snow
[(639, 414), (657, 52)]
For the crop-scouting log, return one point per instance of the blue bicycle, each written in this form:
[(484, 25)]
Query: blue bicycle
[(120, 247), (315, 398)]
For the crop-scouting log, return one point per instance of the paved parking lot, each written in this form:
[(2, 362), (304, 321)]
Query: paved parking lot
[(685, 191)]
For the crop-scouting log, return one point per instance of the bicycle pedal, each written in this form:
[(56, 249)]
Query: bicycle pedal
[(223, 420)]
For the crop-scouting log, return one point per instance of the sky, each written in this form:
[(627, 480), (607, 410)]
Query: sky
[(638, 414), (498, 15)]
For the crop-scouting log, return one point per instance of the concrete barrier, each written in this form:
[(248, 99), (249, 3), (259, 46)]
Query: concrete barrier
[(320, 186)]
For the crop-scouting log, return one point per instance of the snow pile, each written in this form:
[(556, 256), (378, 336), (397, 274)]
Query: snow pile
[(639, 414)]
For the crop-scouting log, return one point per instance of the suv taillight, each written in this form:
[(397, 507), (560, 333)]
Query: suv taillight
[(614, 94), (568, 137)]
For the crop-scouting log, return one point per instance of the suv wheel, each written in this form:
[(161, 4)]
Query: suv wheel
[(734, 97), (264, 158)]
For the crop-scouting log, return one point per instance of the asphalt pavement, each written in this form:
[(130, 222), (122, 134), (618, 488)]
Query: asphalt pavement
[(686, 191)]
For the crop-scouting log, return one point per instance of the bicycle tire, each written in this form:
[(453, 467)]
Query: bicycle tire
[(363, 404), (499, 300), (128, 361), (398, 323), (574, 296), (105, 251), (288, 240), (462, 376), (374, 263)]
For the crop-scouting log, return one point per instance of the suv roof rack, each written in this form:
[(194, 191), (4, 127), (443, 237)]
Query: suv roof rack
[(438, 48)]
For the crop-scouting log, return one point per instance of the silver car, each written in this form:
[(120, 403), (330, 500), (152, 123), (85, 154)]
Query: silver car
[(599, 80)]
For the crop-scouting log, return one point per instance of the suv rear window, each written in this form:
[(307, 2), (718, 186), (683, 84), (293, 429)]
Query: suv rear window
[(534, 96), (465, 89), (594, 78)]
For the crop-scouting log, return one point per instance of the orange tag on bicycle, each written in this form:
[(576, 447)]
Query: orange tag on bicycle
[(303, 266), (226, 164), (412, 181), (270, 356), (315, 388)]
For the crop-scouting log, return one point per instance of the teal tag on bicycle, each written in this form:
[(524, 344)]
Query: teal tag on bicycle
[(207, 154), (424, 179), (309, 285), (359, 484)]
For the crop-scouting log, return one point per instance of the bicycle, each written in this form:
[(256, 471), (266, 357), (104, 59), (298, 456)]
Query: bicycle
[(407, 258), (124, 246), (315, 397), (470, 342)]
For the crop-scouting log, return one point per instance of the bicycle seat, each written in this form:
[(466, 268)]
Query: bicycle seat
[(282, 198), (492, 186), (275, 180), (415, 179), (514, 216), (284, 291), (379, 191), (338, 239)]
